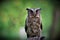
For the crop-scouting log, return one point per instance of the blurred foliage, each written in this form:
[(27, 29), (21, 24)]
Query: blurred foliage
[(13, 15)]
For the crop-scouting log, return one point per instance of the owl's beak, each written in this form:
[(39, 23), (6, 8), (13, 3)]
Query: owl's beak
[(34, 13)]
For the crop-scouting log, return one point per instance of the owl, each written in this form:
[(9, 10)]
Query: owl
[(33, 24)]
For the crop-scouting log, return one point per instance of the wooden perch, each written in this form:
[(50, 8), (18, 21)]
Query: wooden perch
[(36, 38)]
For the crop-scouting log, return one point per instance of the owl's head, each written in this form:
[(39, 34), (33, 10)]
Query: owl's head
[(33, 12)]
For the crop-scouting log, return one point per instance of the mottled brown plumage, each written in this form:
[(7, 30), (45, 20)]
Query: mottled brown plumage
[(33, 24)]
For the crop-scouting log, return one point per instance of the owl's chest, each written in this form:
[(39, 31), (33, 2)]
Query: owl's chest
[(34, 25), (33, 21)]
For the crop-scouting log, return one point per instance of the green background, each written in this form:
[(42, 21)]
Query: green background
[(14, 13)]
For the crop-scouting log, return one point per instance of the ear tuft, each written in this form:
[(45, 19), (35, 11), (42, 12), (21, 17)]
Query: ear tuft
[(38, 8), (27, 8)]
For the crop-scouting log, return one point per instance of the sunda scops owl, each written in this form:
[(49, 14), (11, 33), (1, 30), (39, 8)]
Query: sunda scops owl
[(33, 24)]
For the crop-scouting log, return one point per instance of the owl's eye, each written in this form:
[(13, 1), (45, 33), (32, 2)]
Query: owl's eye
[(36, 10), (31, 11), (37, 13)]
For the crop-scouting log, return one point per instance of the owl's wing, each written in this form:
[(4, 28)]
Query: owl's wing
[(41, 21), (26, 24), (41, 26)]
